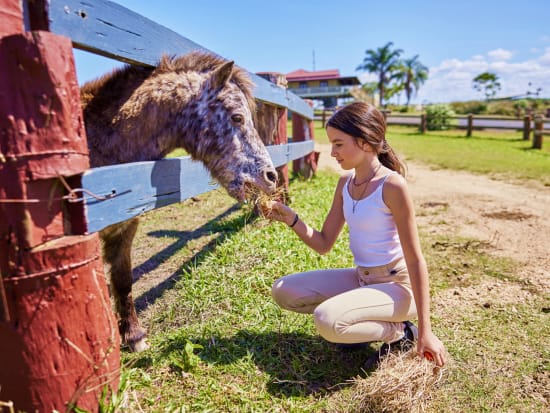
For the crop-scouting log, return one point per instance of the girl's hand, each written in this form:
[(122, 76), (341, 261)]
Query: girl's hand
[(279, 212), (433, 349)]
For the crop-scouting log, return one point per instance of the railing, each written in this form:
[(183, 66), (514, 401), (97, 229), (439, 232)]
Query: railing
[(461, 122), (108, 29), (143, 186), (527, 125), (322, 91)]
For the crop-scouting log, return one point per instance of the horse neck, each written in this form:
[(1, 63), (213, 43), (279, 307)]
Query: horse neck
[(163, 115)]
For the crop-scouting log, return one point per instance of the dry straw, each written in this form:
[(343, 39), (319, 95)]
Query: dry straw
[(261, 202), (402, 383)]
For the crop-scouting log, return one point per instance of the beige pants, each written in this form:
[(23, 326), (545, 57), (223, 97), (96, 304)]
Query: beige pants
[(351, 305)]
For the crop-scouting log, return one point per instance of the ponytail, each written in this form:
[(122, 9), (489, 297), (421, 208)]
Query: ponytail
[(388, 158)]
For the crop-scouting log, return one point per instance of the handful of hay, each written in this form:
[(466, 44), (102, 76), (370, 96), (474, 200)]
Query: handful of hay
[(262, 202), (403, 382)]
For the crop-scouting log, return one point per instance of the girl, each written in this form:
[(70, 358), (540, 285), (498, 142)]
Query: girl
[(388, 286)]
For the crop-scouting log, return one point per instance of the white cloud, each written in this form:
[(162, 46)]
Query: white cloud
[(452, 79), (500, 54), (545, 58), (368, 77)]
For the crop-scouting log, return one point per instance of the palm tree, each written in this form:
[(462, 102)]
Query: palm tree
[(384, 62), (413, 75)]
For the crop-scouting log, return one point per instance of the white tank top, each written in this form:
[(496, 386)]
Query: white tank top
[(373, 237)]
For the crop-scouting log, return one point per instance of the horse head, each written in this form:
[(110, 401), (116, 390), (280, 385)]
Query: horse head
[(220, 130)]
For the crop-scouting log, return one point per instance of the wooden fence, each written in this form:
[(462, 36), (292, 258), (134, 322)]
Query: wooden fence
[(49, 281), (108, 29), (529, 126)]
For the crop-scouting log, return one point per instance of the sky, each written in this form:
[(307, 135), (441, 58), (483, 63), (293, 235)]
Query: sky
[(456, 40)]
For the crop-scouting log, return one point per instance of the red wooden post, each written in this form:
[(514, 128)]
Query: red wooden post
[(303, 130), (526, 127), (59, 340), (11, 17), (279, 135), (282, 138)]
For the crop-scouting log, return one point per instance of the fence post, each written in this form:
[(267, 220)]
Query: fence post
[(423, 123), (537, 132), (303, 130), (272, 127), (526, 127), (59, 340), (470, 125)]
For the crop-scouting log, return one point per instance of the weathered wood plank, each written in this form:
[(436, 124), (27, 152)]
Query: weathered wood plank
[(283, 154), (134, 188), (110, 30)]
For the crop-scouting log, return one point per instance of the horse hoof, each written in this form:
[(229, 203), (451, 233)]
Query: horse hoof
[(140, 345)]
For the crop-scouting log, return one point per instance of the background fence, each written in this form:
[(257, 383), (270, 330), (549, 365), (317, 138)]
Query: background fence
[(462, 122), (537, 126)]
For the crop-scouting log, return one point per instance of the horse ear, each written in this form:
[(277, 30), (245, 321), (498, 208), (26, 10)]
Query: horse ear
[(221, 75)]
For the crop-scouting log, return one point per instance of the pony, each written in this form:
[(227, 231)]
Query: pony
[(198, 102)]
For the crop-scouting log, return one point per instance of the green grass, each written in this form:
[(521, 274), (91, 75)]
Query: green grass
[(220, 344), (502, 155)]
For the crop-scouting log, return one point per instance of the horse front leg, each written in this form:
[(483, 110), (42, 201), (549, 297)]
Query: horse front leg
[(117, 247)]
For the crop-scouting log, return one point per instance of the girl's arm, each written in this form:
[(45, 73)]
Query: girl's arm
[(397, 198), (320, 241)]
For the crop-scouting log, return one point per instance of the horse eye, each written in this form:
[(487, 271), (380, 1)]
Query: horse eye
[(237, 118)]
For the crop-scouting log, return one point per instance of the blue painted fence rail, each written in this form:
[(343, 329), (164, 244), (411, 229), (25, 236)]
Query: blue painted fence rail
[(134, 188), (110, 30)]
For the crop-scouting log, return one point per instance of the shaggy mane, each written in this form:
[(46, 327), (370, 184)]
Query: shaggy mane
[(203, 62), (196, 61)]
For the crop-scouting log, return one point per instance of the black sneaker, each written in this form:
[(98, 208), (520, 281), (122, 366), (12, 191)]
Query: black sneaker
[(351, 347), (403, 344)]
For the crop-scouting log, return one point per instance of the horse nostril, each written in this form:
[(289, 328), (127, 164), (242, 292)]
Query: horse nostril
[(271, 176)]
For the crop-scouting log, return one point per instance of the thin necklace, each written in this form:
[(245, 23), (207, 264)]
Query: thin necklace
[(356, 201)]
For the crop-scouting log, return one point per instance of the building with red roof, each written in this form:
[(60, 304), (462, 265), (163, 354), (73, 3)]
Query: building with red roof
[(323, 85)]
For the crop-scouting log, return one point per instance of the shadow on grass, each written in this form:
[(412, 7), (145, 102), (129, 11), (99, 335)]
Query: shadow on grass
[(224, 230), (298, 364)]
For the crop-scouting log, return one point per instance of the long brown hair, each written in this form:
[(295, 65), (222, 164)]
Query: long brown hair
[(364, 122)]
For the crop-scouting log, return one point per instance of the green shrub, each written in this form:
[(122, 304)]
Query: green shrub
[(504, 108), (474, 107), (439, 117), (397, 108)]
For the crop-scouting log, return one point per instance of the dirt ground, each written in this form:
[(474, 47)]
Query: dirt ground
[(510, 220)]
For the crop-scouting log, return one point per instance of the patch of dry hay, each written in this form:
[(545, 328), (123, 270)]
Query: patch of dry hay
[(261, 202), (402, 383)]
